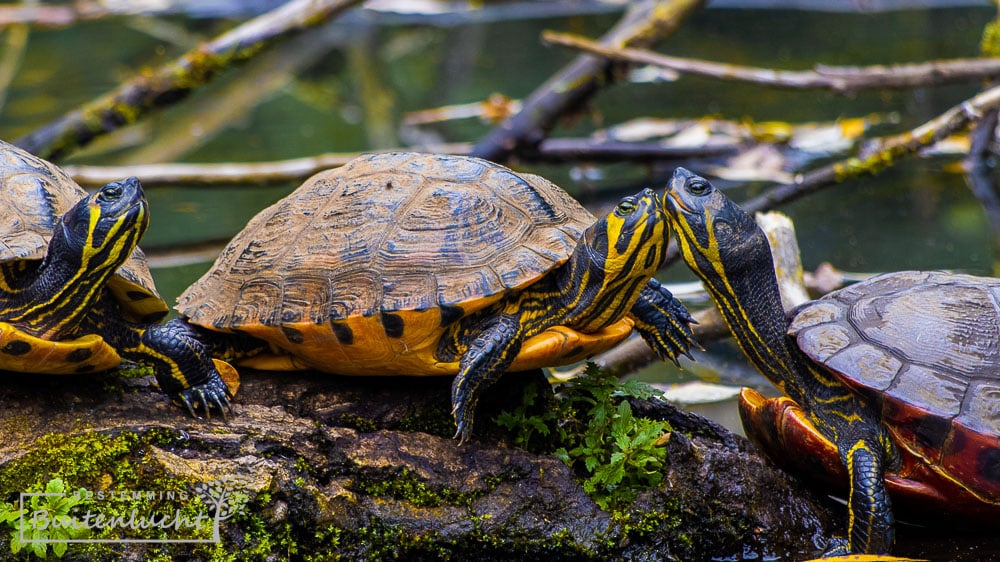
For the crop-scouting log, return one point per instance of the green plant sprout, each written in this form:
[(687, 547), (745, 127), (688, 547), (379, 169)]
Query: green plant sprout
[(591, 427), (45, 522)]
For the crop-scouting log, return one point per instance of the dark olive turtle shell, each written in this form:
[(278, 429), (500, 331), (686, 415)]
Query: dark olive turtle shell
[(35, 195), (387, 250), (927, 344)]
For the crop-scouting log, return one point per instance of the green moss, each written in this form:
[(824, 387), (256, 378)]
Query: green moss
[(326, 545), (403, 484), (303, 466), (135, 371), (354, 421), (88, 459), (380, 540), (258, 539), (435, 421), (100, 462)]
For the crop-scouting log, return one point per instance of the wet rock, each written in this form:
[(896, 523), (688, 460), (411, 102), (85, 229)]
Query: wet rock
[(366, 469)]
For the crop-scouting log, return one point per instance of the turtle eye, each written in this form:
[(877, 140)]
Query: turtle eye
[(699, 187), (110, 193), (625, 207)]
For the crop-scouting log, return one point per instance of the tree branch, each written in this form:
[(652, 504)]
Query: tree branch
[(172, 82), (881, 154), (644, 24), (842, 80)]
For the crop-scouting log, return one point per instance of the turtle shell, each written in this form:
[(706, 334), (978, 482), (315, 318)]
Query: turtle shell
[(927, 345), (35, 195), (360, 269)]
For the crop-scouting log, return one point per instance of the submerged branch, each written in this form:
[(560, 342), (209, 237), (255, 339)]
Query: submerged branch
[(838, 79), (644, 24), (170, 83)]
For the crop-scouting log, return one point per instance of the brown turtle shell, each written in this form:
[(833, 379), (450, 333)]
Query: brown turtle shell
[(384, 252), (35, 195), (927, 344)]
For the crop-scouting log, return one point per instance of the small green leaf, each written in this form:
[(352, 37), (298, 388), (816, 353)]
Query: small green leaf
[(55, 486), (59, 549)]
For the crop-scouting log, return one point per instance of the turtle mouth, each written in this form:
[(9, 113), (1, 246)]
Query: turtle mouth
[(675, 198), (648, 210), (673, 202)]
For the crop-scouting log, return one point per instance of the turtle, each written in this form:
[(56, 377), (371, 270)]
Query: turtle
[(891, 385), (76, 293), (405, 263)]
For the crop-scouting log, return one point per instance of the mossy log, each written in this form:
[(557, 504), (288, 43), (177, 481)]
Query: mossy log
[(365, 469)]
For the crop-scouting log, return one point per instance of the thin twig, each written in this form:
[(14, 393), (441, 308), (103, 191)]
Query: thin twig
[(50, 15), (550, 151), (842, 80), (226, 173), (172, 82)]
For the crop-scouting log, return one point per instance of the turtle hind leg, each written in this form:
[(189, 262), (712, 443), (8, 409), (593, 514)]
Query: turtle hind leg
[(871, 522), (663, 322), (487, 357)]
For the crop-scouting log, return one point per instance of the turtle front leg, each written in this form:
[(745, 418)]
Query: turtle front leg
[(663, 322), (482, 364), (183, 367), (181, 363)]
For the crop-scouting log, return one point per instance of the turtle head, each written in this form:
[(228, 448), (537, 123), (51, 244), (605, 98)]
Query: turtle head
[(89, 242), (717, 238), (614, 261), (631, 240), (102, 229), (724, 246)]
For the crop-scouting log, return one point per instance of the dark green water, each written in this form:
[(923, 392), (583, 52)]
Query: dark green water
[(346, 88)]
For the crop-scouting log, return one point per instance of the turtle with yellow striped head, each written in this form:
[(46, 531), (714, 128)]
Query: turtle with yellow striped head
[(76, 294), (418, 264)]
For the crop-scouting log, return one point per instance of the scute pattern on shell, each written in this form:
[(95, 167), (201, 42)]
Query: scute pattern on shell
[(385, 233), (35, 194), (929, 344)]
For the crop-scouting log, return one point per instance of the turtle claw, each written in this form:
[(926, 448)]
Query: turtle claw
[(462, 432), (187, 403), (664, 323), (208, 395), (838, 546)]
